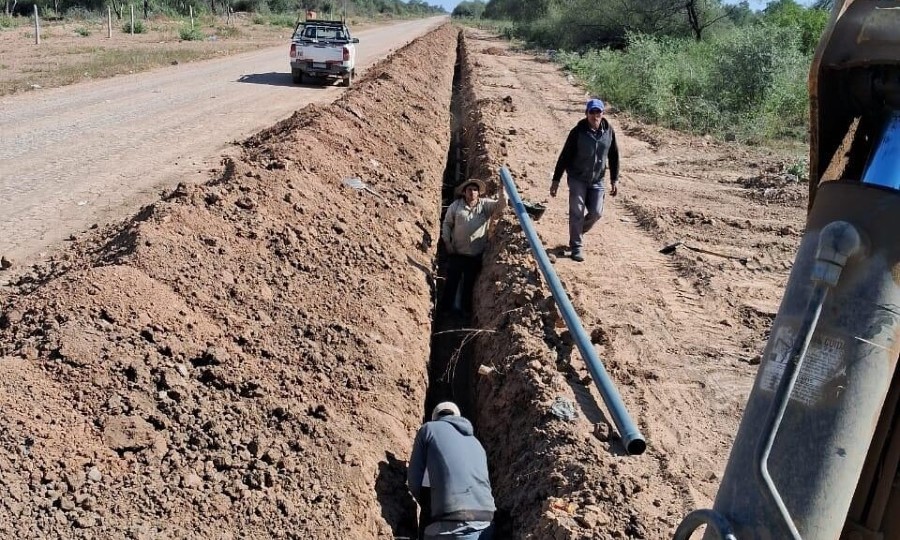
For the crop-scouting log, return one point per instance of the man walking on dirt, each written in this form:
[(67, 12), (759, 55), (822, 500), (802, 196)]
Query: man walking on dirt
[(464, 232), (591, 144), (462, 506)]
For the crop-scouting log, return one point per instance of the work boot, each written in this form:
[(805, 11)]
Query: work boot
[(578, 255)]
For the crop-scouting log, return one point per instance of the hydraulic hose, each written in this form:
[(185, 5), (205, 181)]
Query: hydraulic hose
[(716, 524), (631, 436)]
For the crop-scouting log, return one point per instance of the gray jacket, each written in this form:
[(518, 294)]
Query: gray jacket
[(457, 470), (586, 153)]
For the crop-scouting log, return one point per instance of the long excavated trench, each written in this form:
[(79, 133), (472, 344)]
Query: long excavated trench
[(251, 357)]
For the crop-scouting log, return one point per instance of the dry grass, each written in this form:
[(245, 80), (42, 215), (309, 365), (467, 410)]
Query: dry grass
[(66, 56)]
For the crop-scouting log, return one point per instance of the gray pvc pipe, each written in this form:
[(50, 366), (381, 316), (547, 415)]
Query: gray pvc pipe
[(631, 436)]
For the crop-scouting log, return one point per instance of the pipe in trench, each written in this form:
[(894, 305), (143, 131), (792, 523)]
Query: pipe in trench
[(631, 437)]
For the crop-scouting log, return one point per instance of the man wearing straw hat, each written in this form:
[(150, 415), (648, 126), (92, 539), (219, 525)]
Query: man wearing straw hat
[(590, 146), (464, 232)]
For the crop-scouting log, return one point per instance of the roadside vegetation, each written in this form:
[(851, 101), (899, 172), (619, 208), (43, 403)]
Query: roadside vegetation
[(268, 10), (695, 65)]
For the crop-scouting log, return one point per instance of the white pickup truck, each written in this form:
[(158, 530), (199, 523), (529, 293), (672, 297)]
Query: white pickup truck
[(323, 49)]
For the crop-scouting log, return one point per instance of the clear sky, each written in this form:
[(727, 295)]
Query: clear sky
[(446, 4), (754, 4)]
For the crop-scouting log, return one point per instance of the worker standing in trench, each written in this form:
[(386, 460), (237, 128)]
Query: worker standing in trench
[(446, 450), (591, 144), (464, 232)]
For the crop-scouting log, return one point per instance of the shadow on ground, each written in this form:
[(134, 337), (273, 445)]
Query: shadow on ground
[(272, 79), (398, 507)]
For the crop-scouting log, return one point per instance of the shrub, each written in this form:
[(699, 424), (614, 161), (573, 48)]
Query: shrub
[(8, 21), (247, 6), (138, 27), (285, 20), (191, 34), (228, 31), (82, 31), (282, 6), (746, 62), (505, 28), (750, 82), (786, 103), (79, 13), (800, 169)]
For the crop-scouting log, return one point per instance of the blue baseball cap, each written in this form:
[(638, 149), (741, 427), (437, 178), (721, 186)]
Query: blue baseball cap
[(594, 104)]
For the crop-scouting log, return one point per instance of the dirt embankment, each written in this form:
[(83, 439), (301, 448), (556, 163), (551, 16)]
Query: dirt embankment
[(245, 358)]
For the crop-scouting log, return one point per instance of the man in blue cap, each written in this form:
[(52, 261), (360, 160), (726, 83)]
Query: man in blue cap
[(446, 450), (589, 148)]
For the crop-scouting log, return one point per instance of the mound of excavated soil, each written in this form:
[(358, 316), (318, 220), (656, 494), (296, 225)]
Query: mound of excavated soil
[(771, 186), (245, 358)]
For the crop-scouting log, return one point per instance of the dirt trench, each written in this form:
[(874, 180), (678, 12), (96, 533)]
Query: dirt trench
[(250, 357)]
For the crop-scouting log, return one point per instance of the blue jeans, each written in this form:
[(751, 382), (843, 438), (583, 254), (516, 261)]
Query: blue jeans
[(585, 209), (460, 530)]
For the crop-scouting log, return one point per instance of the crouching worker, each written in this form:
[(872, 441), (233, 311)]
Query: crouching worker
[(462, 506)]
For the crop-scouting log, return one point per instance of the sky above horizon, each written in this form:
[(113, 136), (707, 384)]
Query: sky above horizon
[(754, 4)]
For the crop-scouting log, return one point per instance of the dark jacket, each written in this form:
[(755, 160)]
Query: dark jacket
[(585, 154), (457, 471)]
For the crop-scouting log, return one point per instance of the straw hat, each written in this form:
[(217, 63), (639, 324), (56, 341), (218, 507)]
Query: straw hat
[(460, 189)]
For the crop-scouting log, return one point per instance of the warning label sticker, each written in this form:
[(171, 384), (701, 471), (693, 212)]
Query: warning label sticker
[(822, 364)]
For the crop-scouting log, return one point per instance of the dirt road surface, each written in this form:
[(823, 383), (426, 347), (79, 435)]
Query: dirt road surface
[(74, 156)]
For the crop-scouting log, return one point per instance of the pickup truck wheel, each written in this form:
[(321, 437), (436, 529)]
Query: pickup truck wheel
[(297, 76), (348, 80)]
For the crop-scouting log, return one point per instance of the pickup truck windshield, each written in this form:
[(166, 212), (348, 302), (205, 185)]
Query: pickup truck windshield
[(321, 33)]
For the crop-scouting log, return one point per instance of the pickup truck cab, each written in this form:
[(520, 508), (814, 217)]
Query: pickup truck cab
[(323, 49)]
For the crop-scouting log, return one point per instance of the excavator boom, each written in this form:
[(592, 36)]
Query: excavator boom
[(816, 455)]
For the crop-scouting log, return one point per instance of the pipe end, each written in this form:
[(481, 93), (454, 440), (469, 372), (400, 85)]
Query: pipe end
[(635, 445)]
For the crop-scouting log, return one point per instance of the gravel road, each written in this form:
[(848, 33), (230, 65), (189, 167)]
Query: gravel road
[(94, 152)]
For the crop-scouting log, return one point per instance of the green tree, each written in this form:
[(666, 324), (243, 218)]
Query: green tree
[(517, 10), (703, 14), (807, 22), (471, 10), (741, 14)]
